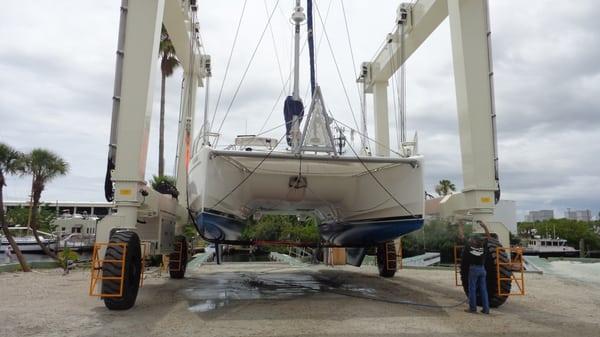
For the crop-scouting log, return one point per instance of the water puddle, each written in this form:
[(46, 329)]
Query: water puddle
[(215, 291)]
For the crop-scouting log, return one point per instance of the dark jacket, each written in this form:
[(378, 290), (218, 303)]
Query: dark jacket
[(474, 255)]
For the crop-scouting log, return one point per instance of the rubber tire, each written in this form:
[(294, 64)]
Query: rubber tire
[(382, 265), (490, 268), (175, 257), (133, 269)]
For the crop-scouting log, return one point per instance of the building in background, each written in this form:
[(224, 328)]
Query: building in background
[(98, 209), (541, 215), (579, 215)]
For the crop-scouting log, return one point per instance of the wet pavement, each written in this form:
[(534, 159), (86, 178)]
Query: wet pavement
[(257, 287)]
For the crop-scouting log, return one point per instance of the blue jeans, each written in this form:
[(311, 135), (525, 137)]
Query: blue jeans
[(478, 283)]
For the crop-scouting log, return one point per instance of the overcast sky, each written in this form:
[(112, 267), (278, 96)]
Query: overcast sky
[(57, 68)]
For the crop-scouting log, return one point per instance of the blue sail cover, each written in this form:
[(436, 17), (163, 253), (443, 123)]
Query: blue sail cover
[(291, 108), (311, 44)]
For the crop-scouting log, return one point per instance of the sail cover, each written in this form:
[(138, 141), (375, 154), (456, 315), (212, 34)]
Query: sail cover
[(291, 108)]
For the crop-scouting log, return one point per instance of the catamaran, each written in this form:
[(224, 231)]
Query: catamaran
[(358, 200)]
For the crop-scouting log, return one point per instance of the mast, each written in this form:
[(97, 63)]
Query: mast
[(297, 17), (293, 109)]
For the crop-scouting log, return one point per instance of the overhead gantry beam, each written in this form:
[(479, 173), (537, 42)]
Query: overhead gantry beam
[(469, 26), (178, 21), (423, 18)]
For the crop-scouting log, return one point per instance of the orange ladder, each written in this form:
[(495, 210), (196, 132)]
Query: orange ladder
[(390, 255), (516, 265), (97, 264), (178, 254), (457, 261)]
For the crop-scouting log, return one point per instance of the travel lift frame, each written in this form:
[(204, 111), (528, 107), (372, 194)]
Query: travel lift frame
[(473, 76), (143, 216), (147, 217)]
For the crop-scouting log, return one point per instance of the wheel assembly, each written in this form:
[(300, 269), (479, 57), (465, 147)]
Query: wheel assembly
[(124, 246), (491, 274), (386, 259), (178, 259)]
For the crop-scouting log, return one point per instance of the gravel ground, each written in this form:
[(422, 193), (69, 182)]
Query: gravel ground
[(274, 299)]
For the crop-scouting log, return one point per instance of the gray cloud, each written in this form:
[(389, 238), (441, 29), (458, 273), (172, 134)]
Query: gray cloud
[(57, 74)]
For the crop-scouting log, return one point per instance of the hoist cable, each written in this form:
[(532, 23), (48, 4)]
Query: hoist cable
[(237, 31), (337, 67), (360, 98)]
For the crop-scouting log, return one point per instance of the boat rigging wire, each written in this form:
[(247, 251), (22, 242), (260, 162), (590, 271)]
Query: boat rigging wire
[(237, 90), (336, 66), (354, 64), (249, 175), (370, 139), (317, 50), (274, 45), (237, 31), (375, 178), (283, 90)]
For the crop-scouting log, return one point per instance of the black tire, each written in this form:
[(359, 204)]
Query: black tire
[(386, 259), (132, 272), (491, 274), (176, 269)]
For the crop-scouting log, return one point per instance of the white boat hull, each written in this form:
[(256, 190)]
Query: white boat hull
[(230, 186)]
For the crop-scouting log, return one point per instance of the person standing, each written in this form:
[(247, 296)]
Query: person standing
[(474, 256)]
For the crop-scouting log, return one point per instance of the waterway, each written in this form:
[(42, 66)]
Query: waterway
[(30, 257)]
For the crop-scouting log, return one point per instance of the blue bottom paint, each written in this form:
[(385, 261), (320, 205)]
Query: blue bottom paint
[(345, 234)]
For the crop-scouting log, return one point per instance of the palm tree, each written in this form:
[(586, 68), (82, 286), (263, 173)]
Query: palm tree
[(10, 160), (445, 187), (43, 165), (168, 64)]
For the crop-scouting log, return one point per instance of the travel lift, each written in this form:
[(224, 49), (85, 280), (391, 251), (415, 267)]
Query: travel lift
[(143, 216), (146, 218), (473, 78)]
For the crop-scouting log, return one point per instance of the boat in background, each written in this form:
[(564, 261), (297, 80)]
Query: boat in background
[(549, 247), (75, 231), (25, 240)]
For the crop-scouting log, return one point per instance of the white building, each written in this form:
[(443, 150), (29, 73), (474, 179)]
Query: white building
[(579, 215), (541, 215), (99, 209)]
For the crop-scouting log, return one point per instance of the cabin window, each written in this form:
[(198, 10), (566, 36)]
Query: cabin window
[(64, 229), (543, 243)]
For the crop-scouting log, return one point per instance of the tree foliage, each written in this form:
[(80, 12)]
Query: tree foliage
[(435, 236), (165, 185), (445, 187), (20, 216), (282, 227), (570, 230)]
